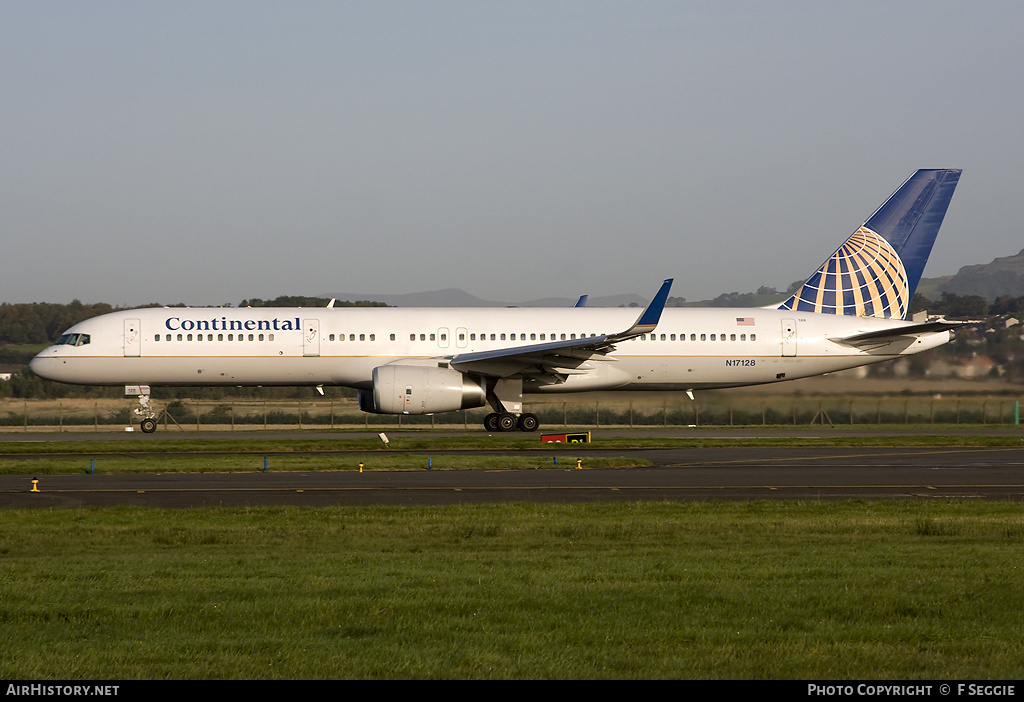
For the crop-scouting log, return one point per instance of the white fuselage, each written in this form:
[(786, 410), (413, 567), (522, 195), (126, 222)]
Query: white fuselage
[(691, 348)]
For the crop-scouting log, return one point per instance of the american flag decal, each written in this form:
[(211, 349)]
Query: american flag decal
[(744, 321)]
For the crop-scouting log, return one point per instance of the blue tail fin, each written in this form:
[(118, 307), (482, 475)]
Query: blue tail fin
[(875, 273)]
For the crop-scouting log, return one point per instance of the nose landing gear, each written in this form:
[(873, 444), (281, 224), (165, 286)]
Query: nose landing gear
[(145, 411)]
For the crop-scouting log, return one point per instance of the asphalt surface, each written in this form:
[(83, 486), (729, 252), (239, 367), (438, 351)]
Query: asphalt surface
[(995, 473)]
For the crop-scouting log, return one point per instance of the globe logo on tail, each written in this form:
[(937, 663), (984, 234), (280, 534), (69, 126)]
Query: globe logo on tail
[(865, 277)]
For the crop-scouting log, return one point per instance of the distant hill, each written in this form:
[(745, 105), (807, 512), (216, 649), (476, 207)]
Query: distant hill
[(1003, 276), (453, 297)]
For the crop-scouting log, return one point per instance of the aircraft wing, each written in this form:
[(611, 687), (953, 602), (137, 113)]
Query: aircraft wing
[(884, 336), (559, 357)]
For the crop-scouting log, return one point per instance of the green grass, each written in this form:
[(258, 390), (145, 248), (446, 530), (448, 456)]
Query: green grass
[(805, 590), (421, 441), (407, 452), (191, 463)]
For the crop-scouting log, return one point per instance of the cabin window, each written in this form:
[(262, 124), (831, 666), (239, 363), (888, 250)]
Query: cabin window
[(362, 337), (753, 337), (433, 337)]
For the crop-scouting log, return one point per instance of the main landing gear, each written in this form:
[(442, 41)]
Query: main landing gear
[(506, 399), (505, 421)]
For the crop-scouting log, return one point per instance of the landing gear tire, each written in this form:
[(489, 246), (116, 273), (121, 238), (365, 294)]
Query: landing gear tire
[(491, 422), (528, 422), (148, 425), (507, 422)]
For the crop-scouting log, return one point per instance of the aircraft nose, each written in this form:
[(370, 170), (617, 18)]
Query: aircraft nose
[(42, 366)]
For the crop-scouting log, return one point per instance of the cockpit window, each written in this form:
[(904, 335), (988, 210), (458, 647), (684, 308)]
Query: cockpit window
[(73, 340)]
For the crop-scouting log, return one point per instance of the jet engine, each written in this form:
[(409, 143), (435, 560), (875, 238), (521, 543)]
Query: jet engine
[(399, 389)]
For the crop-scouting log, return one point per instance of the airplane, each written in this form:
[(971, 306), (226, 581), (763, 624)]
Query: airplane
[(852, 311)]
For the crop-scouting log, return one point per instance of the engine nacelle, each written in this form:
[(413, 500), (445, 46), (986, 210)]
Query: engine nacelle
[(401, 389)]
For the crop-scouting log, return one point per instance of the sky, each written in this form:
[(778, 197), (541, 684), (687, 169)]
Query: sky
[(208, 152)]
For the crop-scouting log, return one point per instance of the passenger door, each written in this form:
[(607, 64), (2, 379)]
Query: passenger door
[(311, 337), (789, 337), (132, 337)]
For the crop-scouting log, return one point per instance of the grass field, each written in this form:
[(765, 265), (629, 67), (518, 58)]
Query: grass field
[(765, 590), (830, 400), (412, 451), (871, 590)]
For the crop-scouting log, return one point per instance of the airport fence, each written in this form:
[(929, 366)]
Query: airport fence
[(708, 411)]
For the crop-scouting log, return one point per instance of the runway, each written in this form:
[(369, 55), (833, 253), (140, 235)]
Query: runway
[(758, 473)]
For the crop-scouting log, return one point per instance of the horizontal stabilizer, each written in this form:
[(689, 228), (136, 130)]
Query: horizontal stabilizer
[(904, 331)]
